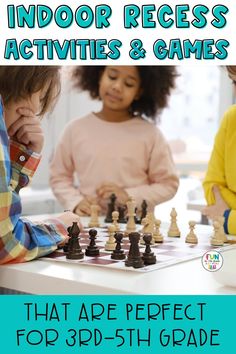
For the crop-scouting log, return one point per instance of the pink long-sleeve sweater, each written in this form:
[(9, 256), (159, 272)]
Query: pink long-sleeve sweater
[(132, 154)]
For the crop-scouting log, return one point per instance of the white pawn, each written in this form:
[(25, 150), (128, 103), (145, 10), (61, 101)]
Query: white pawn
[(115, 217), (216, 239), (221, 221), (110, 244), (157, 236), (191, 237), (173, 230), (94, 221)]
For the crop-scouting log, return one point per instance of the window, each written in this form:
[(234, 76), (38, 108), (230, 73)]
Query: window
[(192, 118)]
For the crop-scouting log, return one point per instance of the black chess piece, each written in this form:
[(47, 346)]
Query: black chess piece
[(144, 207), (148, 256), (136, 219), (122, 218), (92, 250), (110, 208), (118, 253), (74, 250), (134, 258)]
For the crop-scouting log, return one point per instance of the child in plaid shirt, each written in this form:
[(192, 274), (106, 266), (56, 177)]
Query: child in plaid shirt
[(27, 93)]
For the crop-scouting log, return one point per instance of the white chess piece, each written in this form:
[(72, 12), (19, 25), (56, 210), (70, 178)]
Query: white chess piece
[(221, 221), (173, 230), (191, 236), (148, 227), (157, 236), (94, 221), (110, 244), (216, 239), (131, 226), (115, 217)]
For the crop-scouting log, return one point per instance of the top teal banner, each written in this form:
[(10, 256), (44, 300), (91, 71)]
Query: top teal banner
[(121, 32)]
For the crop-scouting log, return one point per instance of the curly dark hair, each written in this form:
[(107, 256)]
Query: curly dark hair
[(156, 84)]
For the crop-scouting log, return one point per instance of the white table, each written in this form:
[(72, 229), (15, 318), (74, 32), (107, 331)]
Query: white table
[(43, 277)]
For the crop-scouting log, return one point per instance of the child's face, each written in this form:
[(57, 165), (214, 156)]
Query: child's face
[(119, 86), (11, 109)]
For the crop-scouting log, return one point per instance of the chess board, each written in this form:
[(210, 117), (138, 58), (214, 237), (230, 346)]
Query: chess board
[(172, 251)]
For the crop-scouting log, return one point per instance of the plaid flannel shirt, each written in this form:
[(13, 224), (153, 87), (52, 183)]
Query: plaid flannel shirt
[(20, 239)]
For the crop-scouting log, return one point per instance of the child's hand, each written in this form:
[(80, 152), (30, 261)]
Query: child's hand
[(68, 218), (107, 189), (27, 130), (217, 209), (84, 207)]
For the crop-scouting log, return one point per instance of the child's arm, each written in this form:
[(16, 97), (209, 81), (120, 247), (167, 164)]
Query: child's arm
[(21, 240), (216, 174), (62, 173)]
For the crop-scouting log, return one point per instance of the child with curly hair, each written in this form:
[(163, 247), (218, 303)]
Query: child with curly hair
[(27, 93), (118, 149)]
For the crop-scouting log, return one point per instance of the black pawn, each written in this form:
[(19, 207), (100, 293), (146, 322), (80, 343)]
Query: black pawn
[(148, 256), (110, 208), (144, 207), (134, 258), (121, 210), (74, 249), (92, 250), (118, 253)]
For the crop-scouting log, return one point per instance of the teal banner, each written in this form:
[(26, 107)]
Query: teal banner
[(117, 324)]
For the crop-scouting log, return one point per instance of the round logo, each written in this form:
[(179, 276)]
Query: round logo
[(212, 261)]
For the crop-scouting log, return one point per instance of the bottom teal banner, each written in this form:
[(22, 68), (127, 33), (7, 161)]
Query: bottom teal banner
[(117, 324)]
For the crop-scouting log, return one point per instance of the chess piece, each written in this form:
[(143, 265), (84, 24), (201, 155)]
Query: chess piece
[(134, 258), (121, 210), (144, 207), (136, 219), (110, 244), (148, 256), (131, 226), (118, 253), (92, 250), (191, 236), (74, 249), (115, 217), (157, 236), (221, 221), (110, 208), (148, 226), (173, 230), (216, 239), (94, 222)]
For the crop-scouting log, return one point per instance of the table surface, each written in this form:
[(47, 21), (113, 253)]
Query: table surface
[(188, 278)]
